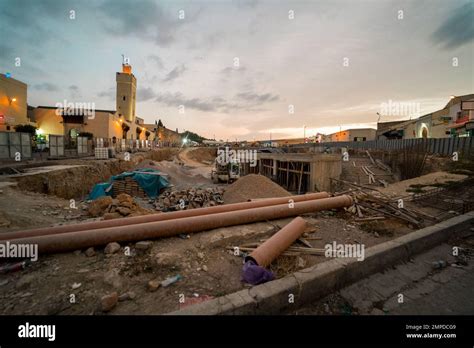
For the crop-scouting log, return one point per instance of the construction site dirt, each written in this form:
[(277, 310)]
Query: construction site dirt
[(129, 274)]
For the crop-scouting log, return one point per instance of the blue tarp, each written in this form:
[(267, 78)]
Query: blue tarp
[(151, 183)]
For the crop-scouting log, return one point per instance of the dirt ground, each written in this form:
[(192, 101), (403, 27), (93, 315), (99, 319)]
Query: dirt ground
[(427, 181), (75, 282), (204, 260)]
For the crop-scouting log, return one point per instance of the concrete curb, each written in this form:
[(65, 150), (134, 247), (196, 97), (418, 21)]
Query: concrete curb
[(322, 279)]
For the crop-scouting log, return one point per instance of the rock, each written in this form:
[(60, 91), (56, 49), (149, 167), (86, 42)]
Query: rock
[(144, 245), (113, 279), (126, 204), (124, 211), (167, 259), (108, 302), (90, 252), (301, 262), (98, 206), (132, 295), (77, 252), (123, 197), (127, 296), (153, 285), (200, 255), (76, 286), (112, 248), (24, 282), (377, 311), (110, 216), (204, 268)]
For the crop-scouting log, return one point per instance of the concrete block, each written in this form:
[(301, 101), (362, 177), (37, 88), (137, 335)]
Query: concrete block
[(319, 280), (272, 297)]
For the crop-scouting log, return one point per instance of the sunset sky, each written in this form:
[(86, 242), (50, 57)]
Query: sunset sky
[(283, 61)]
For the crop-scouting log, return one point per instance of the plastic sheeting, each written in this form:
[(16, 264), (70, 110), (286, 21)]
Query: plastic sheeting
[(149, 180), (255, 274)]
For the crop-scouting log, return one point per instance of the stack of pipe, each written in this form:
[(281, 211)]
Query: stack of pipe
[(73, 237)]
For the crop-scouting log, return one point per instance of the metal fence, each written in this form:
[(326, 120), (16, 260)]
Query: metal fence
[(441, 146), (15, 145), (56, 146), (121, 145), (84, 146)]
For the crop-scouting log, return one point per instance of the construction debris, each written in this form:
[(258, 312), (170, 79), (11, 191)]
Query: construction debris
[(190, 199), (109, 208)]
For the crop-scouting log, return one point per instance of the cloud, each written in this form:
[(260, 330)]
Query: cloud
[(144, 94), (231, 70), (458, 29), (75, 91), (258, 98), (46, 86), (141, 18), (175, 73), (157, 60), (246, 3), (177, 99), (110, 94), (242, 101)]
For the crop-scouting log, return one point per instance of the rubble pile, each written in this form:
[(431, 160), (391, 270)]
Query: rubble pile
[(190, 199), (110, 208)]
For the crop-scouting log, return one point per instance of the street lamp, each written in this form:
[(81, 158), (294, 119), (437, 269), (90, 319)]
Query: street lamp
[(12, 100), (304, 134)]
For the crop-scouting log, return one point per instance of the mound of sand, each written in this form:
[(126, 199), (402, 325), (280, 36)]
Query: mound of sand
[(253, 186)]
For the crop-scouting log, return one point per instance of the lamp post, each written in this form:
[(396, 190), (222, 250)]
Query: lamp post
[(304, 134)]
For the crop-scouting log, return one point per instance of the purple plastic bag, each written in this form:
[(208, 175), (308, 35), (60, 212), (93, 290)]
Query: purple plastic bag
[(255, 274)]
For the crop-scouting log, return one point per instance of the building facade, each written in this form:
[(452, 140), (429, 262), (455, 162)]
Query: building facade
[(361, 134), (71, 121), (13, 103), (456, 119)]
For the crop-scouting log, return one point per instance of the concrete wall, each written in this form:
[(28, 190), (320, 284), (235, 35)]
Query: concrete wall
[(369, 134), (12, 113), (350, 134), (48, 121), (323, 169)]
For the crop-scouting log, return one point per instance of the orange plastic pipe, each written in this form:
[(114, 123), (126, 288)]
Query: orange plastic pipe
[(159, 217), (278, 243), (150, 230)]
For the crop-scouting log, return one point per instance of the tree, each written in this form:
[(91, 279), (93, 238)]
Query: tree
[(26, 128), (86, 134), (192, 136)]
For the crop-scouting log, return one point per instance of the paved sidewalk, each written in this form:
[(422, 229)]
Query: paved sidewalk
[(412, 288)]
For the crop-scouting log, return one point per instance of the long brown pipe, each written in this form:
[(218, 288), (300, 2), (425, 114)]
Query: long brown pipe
[(159, 217), (150, 230), (278, 243)]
